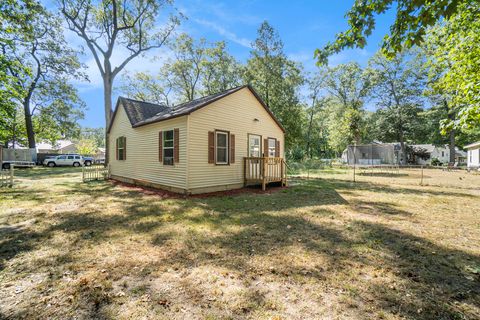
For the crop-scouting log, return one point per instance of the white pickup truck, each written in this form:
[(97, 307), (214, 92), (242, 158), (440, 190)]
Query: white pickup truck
[(75, 160)]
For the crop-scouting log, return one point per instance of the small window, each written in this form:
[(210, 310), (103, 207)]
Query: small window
[(61, 157), (121, 148), (443, 153), (70, 157), (168, 147), (221, 143), (77, 157), (272, 145)]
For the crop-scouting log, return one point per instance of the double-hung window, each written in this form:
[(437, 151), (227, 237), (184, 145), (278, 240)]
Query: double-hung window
[(272, 147), (121, 148), (221, 147), (168, 146)]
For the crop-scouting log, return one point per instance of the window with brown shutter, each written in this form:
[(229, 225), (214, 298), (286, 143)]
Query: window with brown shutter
[(168, 151), (124, 148), (211, 147), (277, 149), (160, 146), (232, 148), (176, 145)]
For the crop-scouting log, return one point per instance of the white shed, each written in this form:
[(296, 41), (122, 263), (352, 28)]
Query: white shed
[(473, 155)]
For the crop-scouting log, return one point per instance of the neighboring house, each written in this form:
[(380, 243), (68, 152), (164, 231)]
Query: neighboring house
[(100, 154), (473, 155), (442, 153), (196, 147), (61, 146), (460, 157)]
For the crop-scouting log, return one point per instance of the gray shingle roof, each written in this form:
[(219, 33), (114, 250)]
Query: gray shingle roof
[(141, 113), (137, 111), (186, 108)]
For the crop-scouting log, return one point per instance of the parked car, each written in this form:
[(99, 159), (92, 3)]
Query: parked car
[(75, 160), (88, 161)]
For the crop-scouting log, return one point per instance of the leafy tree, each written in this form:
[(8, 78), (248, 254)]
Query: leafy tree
[(220, 70), (87, 147), (315, 126), (398, 84), (199, 69), (453, 53), (15, 17), (144, 86), (409, 28), (44, 90), (95, 134), (349, 87), (108, 24), (277, 80)]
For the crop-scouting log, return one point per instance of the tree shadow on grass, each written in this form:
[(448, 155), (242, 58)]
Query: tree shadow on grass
[(247, 228)]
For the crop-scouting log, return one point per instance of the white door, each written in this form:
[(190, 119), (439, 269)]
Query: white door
[(254, 150)]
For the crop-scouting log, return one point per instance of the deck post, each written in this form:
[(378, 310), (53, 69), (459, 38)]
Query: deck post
[(244, 172), (264, 175)]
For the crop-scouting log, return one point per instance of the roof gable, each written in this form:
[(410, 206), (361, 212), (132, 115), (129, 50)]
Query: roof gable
[(142, 113)]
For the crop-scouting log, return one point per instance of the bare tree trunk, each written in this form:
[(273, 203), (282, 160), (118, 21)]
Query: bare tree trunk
[(107, 95), (452, 146), (403, 149), (451, 116), (28, 123), (309, 152)]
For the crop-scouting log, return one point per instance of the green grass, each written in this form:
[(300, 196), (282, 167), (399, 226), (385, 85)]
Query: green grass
[(323, 248)]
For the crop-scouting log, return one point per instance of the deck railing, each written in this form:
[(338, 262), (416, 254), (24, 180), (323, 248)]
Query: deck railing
[(95, 172), (263, 170), (6, 177)]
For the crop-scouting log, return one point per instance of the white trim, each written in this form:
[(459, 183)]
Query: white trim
[(227, 153), (473, 145)]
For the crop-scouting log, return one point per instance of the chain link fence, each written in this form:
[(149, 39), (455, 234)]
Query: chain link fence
[(384, 174)]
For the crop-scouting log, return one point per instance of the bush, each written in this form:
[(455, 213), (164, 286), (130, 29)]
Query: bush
[(436, 162)]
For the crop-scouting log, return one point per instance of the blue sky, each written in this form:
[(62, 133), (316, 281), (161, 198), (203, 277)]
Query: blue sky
[(302, 25)]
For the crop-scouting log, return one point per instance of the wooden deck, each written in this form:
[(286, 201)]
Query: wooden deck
[(264, 170)]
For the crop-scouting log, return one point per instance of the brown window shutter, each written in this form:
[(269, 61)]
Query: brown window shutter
[(211, 147), (176, 145), (116, 149), (265, 147), (277, 148), (124, 148), (232, 148), (160, 146)]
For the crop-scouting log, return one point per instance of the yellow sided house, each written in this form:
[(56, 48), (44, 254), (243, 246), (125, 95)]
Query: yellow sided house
[(219, 142)]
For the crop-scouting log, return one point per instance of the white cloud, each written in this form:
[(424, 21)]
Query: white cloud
[(226, 33)]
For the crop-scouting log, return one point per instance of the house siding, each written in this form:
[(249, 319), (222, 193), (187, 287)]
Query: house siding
[(234, 113), (473, 158), (141, 164)]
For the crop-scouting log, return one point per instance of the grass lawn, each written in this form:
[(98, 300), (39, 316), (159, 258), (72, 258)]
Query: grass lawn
[(383, 248)]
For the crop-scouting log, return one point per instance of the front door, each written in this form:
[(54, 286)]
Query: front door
[(255, 150)]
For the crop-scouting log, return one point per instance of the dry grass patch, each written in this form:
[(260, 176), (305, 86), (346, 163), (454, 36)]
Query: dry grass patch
[(323, 248)]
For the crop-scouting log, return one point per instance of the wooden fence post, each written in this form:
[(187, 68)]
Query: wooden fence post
[(83, 173), (11, 175)]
